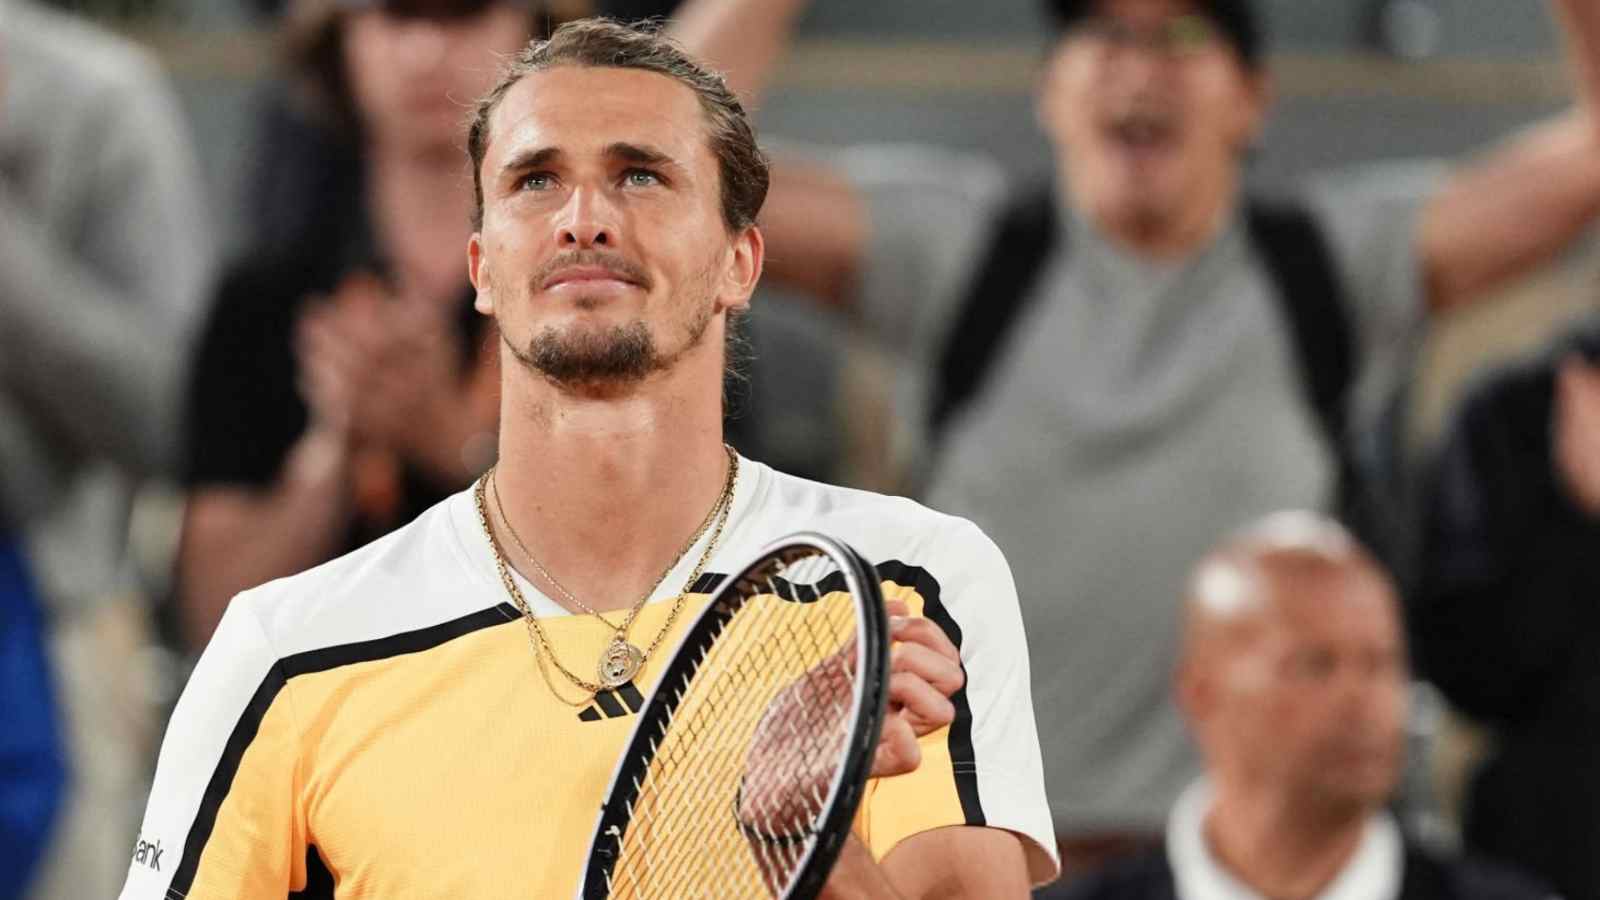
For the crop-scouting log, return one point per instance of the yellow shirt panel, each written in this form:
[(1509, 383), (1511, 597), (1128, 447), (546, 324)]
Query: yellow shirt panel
[(255, 821), (894, 809), (456, 770)]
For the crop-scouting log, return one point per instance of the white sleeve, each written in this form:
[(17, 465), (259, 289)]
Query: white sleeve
[(985, 769), (1005, 741), (221, 820)]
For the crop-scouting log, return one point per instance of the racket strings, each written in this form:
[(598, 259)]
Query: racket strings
[(742, 771), (678, 829)]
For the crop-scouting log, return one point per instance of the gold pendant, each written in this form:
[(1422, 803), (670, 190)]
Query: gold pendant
[(619, 663)]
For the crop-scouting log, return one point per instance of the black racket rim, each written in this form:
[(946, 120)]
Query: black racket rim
[(870, 704)]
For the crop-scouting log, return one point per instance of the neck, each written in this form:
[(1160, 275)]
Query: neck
[(421, 206), (1278, 846), (605, 490), (1173, 231)]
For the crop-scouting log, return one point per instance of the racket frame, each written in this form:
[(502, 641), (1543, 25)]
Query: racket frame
[(869, 703)]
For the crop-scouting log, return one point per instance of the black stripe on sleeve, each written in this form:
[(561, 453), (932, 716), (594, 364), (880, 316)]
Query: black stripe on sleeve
[(963, 759), (244, 732), (707, 582), (222, 779)]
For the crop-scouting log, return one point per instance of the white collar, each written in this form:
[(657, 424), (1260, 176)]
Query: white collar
[(1373, 873), (749, 480)]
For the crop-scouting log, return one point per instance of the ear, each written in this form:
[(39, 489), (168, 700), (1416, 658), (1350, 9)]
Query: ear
[(1049, 90), (743, 270), (476, 270), (1259, 93), (1193, 691)]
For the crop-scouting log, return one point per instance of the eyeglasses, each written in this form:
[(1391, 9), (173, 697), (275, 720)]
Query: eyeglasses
[(1177, 36), (443, 10)]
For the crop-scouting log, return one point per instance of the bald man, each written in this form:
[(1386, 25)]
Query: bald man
[(1292, 682)]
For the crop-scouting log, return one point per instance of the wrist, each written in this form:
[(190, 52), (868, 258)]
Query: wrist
[(857, 875), (319, 460)]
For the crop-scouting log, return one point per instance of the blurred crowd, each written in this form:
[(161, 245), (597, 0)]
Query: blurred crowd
[(1125, 372)]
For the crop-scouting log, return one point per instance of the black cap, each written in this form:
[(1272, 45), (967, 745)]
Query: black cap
[(1236, 19)]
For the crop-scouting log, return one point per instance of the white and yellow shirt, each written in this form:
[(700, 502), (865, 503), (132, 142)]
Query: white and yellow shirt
[(377, 727)]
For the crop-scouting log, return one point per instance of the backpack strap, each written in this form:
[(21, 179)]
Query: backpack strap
[(1307, 288), (1373, 490), (1025, 234), (1291, 247)]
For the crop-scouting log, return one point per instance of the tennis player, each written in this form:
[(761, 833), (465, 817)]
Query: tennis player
[(438, 714)]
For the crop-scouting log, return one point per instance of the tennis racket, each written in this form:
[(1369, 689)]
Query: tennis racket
[(748, 761)]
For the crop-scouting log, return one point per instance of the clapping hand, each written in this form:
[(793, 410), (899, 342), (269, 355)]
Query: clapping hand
[(386, 369)]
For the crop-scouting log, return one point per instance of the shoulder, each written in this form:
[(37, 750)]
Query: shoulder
[(264, 294), (246, 335), (1373, 187), (1146, 876), (413, 579), (940, 556), (1428, 875), (918, 178), (80, 62), (878, 522), (954, 170), (1514, 397), (1370, 214), (269, 278), (1533, 374)]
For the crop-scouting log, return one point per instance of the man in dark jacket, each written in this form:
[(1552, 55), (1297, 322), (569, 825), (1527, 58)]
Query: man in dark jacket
[(1508, 613), (1293, 683)]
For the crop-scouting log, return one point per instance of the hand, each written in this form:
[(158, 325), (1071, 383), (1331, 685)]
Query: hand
[(924, 671), (1575, 431), (790, 760), (388, 369)]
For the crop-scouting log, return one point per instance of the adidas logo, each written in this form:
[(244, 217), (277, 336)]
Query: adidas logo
[(623, 701)]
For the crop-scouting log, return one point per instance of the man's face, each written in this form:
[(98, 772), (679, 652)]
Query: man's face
[(411, 74), (1152, 107), (603, 253), (1312, 702)]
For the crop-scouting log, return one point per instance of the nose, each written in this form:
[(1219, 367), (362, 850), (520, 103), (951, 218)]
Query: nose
[(1140, 66), (586, 222), (422, 44)]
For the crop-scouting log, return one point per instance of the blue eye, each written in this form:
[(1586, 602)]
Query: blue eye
[(538, 181), (641, 178)]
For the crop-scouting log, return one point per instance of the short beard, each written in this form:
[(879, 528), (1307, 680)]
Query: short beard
[(619, 354), (604, 360)]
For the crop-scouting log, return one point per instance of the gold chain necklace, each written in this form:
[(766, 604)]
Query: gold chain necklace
[(621, 660), (571, 598)]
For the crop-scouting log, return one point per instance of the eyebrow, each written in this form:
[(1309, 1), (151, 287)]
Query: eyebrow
[(633, 153), (636, 153), (531, 159)]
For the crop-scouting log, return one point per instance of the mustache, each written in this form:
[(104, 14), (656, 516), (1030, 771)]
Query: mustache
[(615, 263), (1141, 111)]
